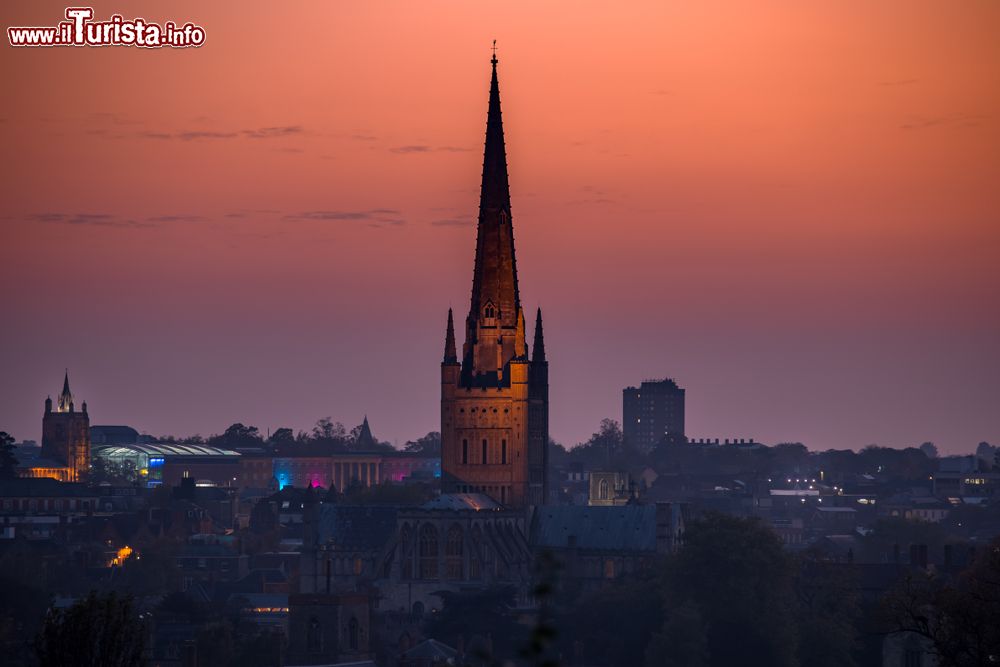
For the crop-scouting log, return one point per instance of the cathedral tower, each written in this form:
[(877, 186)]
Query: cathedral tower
[(494, 399), (66, 435)]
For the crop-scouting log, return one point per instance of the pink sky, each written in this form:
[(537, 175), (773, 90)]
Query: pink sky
[(790, 208)]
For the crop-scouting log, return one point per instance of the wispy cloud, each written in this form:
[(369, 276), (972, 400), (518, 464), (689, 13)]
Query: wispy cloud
[(200, 134), (88, 219), (375, 217), (273, 132), (175, 218), (955, 119), (277, 132), (410, 149), (110, 219), (453, 222), (420, 148)]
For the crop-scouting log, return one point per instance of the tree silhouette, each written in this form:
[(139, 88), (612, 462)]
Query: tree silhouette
[(8, 462), (98, 631), (961, 618)]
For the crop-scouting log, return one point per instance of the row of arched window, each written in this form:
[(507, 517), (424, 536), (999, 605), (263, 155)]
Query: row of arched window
[(428, 553), (485, 455)]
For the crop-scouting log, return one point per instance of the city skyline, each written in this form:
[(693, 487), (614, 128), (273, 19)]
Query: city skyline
[(816, 263)]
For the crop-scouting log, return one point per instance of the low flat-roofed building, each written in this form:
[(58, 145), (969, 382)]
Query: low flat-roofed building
[(168, 464)]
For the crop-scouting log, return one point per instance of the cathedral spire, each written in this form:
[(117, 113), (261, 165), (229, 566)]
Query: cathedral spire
[(538, 347), (450, 355), (495, 278), (65, 398)]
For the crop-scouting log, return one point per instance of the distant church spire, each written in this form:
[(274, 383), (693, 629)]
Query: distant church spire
[(450, 354), (65, 398), (538, 347), (365, 438)]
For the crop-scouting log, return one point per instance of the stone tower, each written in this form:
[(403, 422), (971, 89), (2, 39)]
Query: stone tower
[(66, 434), (494, 399)]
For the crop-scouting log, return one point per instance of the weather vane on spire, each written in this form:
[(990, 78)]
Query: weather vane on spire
[(494, 61)]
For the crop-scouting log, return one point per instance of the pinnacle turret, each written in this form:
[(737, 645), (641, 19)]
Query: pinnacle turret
[(538, 346), (450, 354)]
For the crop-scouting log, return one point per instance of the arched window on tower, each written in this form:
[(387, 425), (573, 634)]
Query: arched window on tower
[(485, 448), (503, 451), (314, 640), (352, 633), (406, 551), (475, 569), (490, 313), (428, 552), (465, 451), (453, 553)]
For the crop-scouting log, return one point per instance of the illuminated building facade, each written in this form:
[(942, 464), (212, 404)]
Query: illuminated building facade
[(494, 399), (163, 463), (65, 439), (338, 470)]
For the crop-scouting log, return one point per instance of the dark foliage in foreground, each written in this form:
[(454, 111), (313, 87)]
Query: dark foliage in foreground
[(98, 631)]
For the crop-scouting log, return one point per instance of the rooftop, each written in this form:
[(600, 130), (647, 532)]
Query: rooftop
[(626, 528), (165, 450), (461, 501)]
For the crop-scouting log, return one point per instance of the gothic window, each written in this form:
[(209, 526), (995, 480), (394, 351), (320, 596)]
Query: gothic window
[(428, 552), (602, 492), (314, 641), (475, 570), (503, 451), (465, 451), (406, 552), (485, 446), (488, 560), (352, 633), (453, 552), (609, 569), (490, 313)]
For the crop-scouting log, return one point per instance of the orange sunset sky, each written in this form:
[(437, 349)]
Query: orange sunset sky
[(792, 208)]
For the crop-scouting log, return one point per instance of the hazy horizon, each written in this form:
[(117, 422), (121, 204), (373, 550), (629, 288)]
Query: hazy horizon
[(792, 210)]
